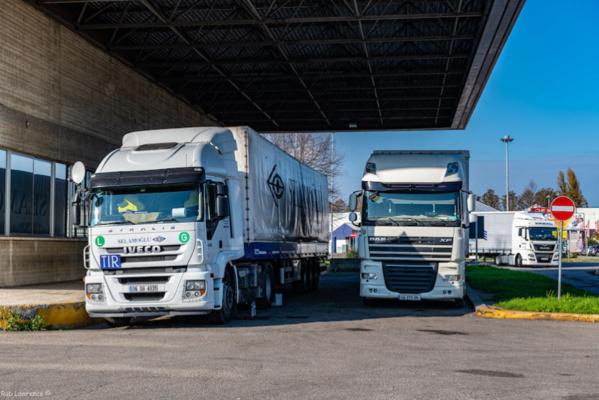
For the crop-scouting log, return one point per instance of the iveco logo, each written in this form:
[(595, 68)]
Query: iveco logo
[(141, 249)]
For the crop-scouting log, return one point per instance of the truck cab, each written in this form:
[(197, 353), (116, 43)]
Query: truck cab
[(415, 209)]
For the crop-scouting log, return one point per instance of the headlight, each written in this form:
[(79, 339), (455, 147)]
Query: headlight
[(94, 288), (194, 290), (453, 278), (94, 291), (369, 276), (195, 285)]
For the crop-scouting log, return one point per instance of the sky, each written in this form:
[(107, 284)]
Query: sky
[(543, 92)]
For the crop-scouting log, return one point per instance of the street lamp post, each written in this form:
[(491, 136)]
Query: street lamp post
[(507, 139)]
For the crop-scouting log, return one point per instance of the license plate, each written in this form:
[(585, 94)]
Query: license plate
[(144, 288), (409, 297), (110, 261), (543, 259)]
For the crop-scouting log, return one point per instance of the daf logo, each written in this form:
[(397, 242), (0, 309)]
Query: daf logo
[(141, 249)]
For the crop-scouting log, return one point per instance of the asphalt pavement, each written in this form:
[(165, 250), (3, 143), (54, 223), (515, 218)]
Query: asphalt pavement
[(322, 345)]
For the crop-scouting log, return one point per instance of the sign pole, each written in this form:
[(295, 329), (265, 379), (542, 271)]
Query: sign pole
[(562, 209), (559, 261)]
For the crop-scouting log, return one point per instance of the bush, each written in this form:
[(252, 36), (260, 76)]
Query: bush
[(353, 253)]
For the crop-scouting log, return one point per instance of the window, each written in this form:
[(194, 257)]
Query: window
[(35, 195)]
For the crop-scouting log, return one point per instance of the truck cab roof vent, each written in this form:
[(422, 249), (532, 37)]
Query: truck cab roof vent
[(156, 146)]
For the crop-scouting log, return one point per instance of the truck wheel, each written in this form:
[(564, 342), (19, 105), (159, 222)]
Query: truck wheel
[(303, 285), (315, 274), (498, 260), (518, 261), (229, 306), (268, 289), (117, 321)]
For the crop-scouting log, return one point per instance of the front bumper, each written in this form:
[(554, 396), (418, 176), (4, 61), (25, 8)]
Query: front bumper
[(442, 290), (118, 303)]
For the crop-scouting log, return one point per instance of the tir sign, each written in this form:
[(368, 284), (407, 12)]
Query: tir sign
[(563, 208)]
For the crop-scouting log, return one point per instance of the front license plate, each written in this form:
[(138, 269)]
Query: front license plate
[(144, 288), (409, 297), (110, 261), (543, 259)]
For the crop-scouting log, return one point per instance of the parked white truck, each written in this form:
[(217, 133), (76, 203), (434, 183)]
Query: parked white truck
[(197, 220), (415, 215), (519, 238)]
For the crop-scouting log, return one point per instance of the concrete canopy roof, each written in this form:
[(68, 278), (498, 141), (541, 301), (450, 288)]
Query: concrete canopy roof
[(307, 65)]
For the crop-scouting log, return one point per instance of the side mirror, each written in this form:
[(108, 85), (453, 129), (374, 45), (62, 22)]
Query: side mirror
[(472, 218), (353, 217), (353, 202), (222, 189), (75, 215), (471, 203), (78, 172), (222, 207)]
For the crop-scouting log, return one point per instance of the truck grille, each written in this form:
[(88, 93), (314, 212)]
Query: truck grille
[(137, 259), (144, 280), (544, 257), (410, 248), (544, 247), (410, 277), (144, 296)]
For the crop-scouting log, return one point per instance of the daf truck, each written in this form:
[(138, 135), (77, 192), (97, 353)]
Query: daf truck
[(415, 215), (198, 220), (519, 238)]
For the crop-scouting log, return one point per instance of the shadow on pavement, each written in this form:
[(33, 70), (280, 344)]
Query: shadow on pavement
[(337, 299)]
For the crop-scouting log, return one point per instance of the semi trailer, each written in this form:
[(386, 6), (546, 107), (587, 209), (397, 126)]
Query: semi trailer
[(415, 214), (519, 238), (198, 220)]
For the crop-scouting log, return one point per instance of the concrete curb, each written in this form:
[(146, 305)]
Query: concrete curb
[(495, 312), (56, 315)]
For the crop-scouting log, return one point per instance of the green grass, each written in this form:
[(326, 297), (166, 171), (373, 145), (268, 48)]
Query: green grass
[(526, 291)]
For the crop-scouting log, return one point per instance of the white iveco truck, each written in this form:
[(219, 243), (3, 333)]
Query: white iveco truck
[(197, 220), (519, 238), (415, 215)]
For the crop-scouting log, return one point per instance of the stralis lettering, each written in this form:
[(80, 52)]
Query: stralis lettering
[(134, 240)]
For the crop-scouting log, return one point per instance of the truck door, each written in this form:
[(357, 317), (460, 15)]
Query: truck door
[(218, 228)]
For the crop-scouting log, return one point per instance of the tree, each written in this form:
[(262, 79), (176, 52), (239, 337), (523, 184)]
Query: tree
[(314, 150), (527, 198), (514, 202), (490, 199), (541, 196), (571, 188), (340, 206)]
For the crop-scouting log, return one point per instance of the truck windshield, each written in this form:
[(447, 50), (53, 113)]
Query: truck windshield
[(406, 208), (543, 233), (137, 205)]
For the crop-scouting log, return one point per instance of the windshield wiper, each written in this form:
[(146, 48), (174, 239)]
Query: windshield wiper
[(116, 223), (165, 220), (400, 222)]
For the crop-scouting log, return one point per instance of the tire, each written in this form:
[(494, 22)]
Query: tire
[(229, 304), (518, 261), (117, 321), (497, 260), (303, 285), (315, 274), (268, 288)]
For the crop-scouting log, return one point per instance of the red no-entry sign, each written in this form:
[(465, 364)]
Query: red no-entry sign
[(563, 208), (353, 235)]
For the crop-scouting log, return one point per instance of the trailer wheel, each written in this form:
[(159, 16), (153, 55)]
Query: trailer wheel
[(268, 289), (518, 261), (229, 306), (315, 274), (117, 321), (303, 285)]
